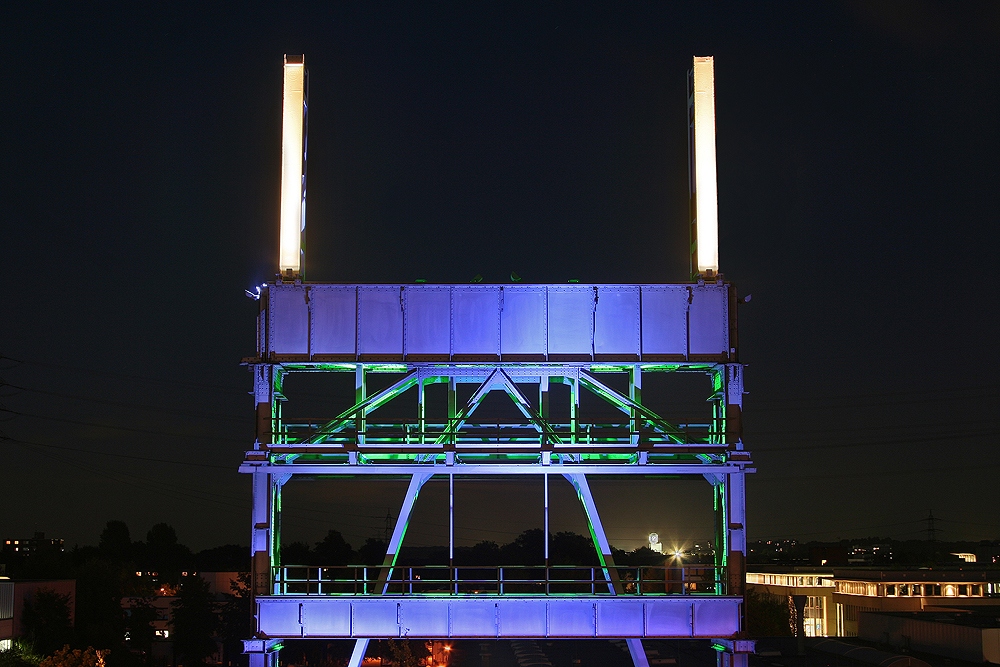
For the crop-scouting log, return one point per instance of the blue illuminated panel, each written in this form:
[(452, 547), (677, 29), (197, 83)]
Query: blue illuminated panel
[(521, 323), (570, 617)]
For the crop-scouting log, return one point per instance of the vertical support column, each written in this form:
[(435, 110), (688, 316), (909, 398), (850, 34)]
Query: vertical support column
[(260, 538), (721, 529), (262, 652), (543, 404), (451, 520), (266, 380), (727, 659), (545, 522), (574, 409), (360, 394), (736, 532), (452, 409), (734, 405), (277, 482), (422, 411), (635, 394)]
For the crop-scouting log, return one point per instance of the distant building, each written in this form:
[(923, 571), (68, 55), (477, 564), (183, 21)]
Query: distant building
[(836, 598), (13, 595), (30, 545), (971, 633), (816, 584)]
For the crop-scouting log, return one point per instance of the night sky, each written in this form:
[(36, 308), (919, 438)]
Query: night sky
[(858, 153)]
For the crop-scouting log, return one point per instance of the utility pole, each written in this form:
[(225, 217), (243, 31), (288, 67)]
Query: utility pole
[(930, 529)]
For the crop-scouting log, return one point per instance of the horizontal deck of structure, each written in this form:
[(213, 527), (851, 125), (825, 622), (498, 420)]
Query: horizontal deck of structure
[(570, 617)]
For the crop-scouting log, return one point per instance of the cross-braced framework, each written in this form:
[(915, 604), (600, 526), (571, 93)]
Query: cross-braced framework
[(518, 342)]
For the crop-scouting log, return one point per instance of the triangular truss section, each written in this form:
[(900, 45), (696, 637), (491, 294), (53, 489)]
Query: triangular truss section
[(499, 379), (456, 429)]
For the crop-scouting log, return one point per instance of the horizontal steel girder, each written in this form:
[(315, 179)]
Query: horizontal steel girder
[(666, 617), (482, 469)]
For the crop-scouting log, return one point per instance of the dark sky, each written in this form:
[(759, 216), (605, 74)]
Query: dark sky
[(858, 179)]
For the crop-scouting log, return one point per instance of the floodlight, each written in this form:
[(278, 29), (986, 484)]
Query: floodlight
[(704, 188), (293, 186)]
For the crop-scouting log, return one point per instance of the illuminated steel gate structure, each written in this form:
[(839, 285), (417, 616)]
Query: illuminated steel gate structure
[(496, 338)]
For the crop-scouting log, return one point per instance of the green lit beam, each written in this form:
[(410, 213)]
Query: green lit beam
[(627, 405), (373, 402)]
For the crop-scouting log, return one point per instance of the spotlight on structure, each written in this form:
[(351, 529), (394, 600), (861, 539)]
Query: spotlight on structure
[(702, 169), (293, 168)]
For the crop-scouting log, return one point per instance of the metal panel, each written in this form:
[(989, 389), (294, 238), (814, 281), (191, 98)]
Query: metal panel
[(427, 320), (615, 619), (380, 320), (571, 320), (664, 326), (716, 620), (325, 620), (374, 618), (616, 322), (475, 320), (423, 618), (671, 620), (521, 618), (474, 618), (709, 328), (522, 321), (289, 320), (334, 326), (279, 618), (571, 619)]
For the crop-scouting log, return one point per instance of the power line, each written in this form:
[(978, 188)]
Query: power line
[(104, 373), (31, 443), (121, 428), (880, 443), (131, 406)]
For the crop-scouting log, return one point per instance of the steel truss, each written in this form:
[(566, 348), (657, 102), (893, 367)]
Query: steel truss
[(356, 442)]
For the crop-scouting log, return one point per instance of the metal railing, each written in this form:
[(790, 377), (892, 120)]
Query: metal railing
[(475, 432), (477, 580)]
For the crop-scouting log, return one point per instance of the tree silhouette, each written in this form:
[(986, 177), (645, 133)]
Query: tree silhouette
[(372, 552), (46, 620), (296, 553), (116, 542), (236, 616), (195, 621), (333, 550)]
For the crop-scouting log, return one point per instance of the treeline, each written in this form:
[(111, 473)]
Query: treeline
[(119, 568), (528, 548), (161, 552)]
